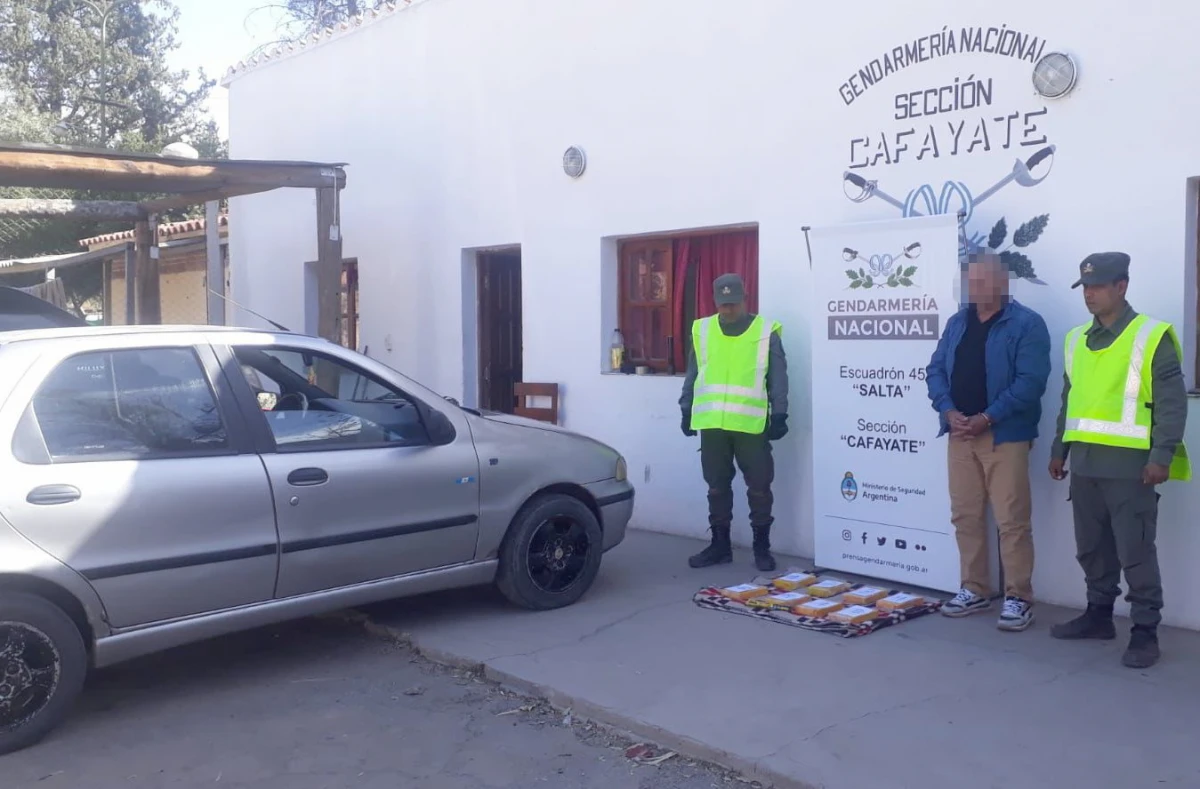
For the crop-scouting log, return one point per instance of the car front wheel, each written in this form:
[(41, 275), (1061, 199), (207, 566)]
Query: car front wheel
[(551, 554), (43, 663)]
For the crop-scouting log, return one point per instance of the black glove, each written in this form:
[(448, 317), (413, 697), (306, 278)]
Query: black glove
[(777, 428), (686, 424)]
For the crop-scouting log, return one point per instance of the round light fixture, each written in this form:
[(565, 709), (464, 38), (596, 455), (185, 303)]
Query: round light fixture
[(574, 161), (1054, 75), (180, 150)]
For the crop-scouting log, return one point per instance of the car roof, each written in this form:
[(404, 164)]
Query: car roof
[(58, 334)]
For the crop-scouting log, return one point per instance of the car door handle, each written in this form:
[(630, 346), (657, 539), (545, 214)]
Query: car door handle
[(47, 495), (303, 477)]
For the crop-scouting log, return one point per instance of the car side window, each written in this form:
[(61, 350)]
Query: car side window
[(312, 401), (128, 404)]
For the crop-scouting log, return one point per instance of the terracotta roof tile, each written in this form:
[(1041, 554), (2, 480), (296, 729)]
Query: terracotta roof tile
[(164, 231), (283, 51)]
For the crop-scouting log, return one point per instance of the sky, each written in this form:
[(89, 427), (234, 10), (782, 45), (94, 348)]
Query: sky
[(215, 34)]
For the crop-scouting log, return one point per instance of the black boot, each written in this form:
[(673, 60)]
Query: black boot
[(719, 551), (763, 559), (1095, 623), (1143, 651)]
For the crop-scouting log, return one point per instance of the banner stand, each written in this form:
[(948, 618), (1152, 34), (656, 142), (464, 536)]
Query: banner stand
[(882, 294)]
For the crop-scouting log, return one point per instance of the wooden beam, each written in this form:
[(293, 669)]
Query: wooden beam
[(95, 210), (329, 266), (214, 270), (149, 302), (189, 199), (92, 171)]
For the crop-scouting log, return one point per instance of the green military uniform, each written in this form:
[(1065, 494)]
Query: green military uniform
[(1115, 512), (736, 419)]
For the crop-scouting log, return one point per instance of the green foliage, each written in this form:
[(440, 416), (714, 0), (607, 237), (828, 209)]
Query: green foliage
[(900, 278), (52, 66), (302, 18), (51, 84)]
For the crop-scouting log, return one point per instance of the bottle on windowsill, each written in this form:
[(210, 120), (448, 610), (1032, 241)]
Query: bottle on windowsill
[(617, 351)]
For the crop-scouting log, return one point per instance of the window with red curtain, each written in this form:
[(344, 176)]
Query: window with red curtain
[(666, 284)]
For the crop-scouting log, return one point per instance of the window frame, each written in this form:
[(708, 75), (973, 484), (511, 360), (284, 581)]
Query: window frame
[(260, 426), (625, 305), (684, 340), (29, 447)]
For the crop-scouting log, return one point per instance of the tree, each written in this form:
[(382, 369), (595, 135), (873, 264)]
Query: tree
[(303, 18), (50, 92), (52, 66)]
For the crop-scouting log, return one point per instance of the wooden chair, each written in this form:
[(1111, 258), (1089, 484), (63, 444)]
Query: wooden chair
[(524, 392)]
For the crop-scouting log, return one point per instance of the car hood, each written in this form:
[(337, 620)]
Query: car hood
[(575, 457), (520, 421)]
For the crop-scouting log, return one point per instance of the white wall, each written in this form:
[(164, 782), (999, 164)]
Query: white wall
[(454, 114)]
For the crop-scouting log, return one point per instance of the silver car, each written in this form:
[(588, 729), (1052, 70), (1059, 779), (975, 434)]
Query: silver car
[(168, 484)]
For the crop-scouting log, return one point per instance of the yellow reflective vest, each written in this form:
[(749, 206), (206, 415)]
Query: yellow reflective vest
[(1112, 389), (731, 382)]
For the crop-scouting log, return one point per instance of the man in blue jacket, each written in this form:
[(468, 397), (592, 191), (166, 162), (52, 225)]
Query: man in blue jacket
[(986, 380)]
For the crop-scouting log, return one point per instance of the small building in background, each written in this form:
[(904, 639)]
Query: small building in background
[(183, 252)]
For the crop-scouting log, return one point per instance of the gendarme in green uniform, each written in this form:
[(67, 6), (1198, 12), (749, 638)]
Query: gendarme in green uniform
[(1121, 424), (735, 395)]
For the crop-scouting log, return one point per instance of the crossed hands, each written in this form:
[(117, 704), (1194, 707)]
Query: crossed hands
[(965, 427)]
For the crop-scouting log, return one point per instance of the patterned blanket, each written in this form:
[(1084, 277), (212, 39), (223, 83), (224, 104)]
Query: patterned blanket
[(711, 597)]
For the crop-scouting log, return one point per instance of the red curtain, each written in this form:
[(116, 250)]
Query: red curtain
[(723, 253), (679, 318), (727, 253)]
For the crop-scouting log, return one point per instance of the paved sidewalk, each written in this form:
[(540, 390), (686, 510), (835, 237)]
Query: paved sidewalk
[(931, 704)]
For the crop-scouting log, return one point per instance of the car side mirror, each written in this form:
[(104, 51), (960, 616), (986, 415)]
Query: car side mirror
[(439, 427), (450, 399)]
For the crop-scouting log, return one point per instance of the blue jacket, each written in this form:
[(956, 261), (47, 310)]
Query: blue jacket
[(1018, 367)]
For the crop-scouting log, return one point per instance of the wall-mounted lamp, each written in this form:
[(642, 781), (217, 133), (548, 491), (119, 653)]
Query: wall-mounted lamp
[(1054, 75), (574, 161)]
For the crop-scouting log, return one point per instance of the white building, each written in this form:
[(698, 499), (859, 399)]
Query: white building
[(699, 114)]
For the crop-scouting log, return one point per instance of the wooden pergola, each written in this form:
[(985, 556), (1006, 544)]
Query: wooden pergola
[(184, 182)]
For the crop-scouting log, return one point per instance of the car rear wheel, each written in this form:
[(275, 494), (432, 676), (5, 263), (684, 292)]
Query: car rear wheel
[(43, 663), (551, 554)]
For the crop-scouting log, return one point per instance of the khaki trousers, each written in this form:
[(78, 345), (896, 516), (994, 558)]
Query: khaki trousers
[(982, 472)]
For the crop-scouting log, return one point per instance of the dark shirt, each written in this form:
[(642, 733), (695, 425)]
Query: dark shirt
[(1169, 414), (968, 382), (777, 377)]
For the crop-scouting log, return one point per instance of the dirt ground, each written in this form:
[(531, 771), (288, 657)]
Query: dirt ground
[(325, 704)]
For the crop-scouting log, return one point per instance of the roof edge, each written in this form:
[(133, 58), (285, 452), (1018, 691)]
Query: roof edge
[(283, 52)]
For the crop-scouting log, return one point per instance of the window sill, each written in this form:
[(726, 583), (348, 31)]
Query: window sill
[(611, 374)]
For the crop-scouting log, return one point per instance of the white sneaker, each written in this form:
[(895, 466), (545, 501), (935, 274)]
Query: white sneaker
[(965, 603), (1016, 614)]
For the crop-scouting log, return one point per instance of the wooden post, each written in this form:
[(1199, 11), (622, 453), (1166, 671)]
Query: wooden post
[(329, 266), (149, 302), (130, 285), (106, 300), (215, 271)]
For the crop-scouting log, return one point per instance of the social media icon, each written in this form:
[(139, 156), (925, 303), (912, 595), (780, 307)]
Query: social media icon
[(864, 538), (881, 541), (902, 544), (846, 535)]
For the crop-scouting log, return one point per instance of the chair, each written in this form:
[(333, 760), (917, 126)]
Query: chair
[(523, 394)]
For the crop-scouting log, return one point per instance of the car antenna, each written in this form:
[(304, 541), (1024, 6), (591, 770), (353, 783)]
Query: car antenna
[(279, 326)]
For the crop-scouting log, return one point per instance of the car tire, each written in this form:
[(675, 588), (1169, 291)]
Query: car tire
[(541, 566), (43, 664)]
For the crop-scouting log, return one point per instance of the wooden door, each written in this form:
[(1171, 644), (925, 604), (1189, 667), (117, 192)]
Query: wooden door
[(500, 347)]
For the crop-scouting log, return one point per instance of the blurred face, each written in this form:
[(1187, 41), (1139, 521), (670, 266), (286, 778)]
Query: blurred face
[(731, 312), (987, 281), (1105, 299)]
